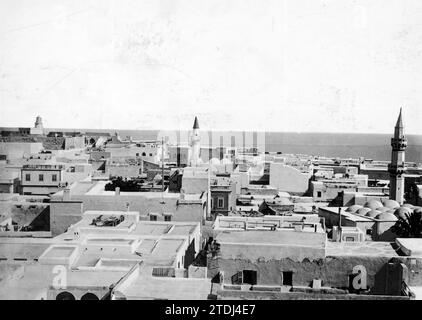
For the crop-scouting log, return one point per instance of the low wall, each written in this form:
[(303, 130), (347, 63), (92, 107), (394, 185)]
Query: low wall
[(251, 295)]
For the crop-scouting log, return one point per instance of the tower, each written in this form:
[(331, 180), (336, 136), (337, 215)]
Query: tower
[(38, 128), (396, 167), (38, 123), (195, 144)]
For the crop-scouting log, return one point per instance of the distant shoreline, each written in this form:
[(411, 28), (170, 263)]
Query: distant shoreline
[(343, 145)]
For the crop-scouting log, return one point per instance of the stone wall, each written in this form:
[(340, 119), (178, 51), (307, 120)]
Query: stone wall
[(333, 271)]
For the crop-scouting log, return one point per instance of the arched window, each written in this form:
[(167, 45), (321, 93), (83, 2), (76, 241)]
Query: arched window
[(89, 296), (65, 296)]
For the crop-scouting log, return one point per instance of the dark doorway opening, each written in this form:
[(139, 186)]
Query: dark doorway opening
[(65, 296), (287, 278), (89, 296), (250, 277)]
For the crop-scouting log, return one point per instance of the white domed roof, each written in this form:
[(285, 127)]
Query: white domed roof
[(373, 204), (354, 208), (408, 205), (363, 211), (417, 210), (386, 216), (402, 211), (226, 161), (372, 213), (393, 204), (214, 161), (283, 194)]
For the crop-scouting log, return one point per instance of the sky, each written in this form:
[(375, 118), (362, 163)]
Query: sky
[(262, 65)]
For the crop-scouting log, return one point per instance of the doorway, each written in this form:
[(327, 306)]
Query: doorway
[(287, 279)]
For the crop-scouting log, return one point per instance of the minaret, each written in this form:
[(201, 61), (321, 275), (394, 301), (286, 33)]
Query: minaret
[(195, 144), (396, 167), (38, 123)]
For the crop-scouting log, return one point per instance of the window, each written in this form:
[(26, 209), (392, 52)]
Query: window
[(27, 177), (137, 154), (54, 177), (153, 218), (220, 203), (319, 194), (150, 154), (167, 218), (144, 154), (287, 278), (41, 177)]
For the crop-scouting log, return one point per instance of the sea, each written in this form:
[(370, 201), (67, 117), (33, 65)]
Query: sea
[(343, 145)]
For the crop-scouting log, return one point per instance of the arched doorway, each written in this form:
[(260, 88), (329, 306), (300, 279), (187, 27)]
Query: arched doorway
[(89, 296), (65, 296)]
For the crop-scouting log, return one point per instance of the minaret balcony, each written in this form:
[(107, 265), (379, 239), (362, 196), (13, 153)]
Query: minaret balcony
[(396, 169), (399, 144)]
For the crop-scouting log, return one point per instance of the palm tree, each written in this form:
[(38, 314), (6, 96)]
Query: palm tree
[(409, 225)]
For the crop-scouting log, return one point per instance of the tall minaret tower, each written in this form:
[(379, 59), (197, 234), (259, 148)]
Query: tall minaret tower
[(195, 144), (396, 167), (38, 123)]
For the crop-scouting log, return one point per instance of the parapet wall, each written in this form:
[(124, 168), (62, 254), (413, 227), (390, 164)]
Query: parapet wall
[(251, 295)]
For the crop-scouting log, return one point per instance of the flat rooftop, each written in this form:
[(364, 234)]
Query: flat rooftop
[(23, 248), (410, 246), (367, 248), (96, 188), (272, 238), (144, 287)]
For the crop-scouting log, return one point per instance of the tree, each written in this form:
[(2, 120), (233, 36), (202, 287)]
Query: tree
[(409, 225)]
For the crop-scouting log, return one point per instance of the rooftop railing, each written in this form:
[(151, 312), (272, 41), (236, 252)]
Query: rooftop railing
[(43, 166)]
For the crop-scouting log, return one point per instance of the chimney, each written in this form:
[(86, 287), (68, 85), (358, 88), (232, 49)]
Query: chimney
[(339, 218), (117, 191), (66, 194), (339, 223)]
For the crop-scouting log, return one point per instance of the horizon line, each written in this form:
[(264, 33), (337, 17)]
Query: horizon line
[(214, 130)]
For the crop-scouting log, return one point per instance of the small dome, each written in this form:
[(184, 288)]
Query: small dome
[(391, 204), (401, 212), (408, 205), (383, 209), (283, 194), (226, 161), (373, 204), (417, 210), (386, 216), (372, 213), (214, 161), (282, 201), (353, 208), (363, 211)]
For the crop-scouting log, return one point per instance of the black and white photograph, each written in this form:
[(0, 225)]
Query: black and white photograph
[(223, 151)]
